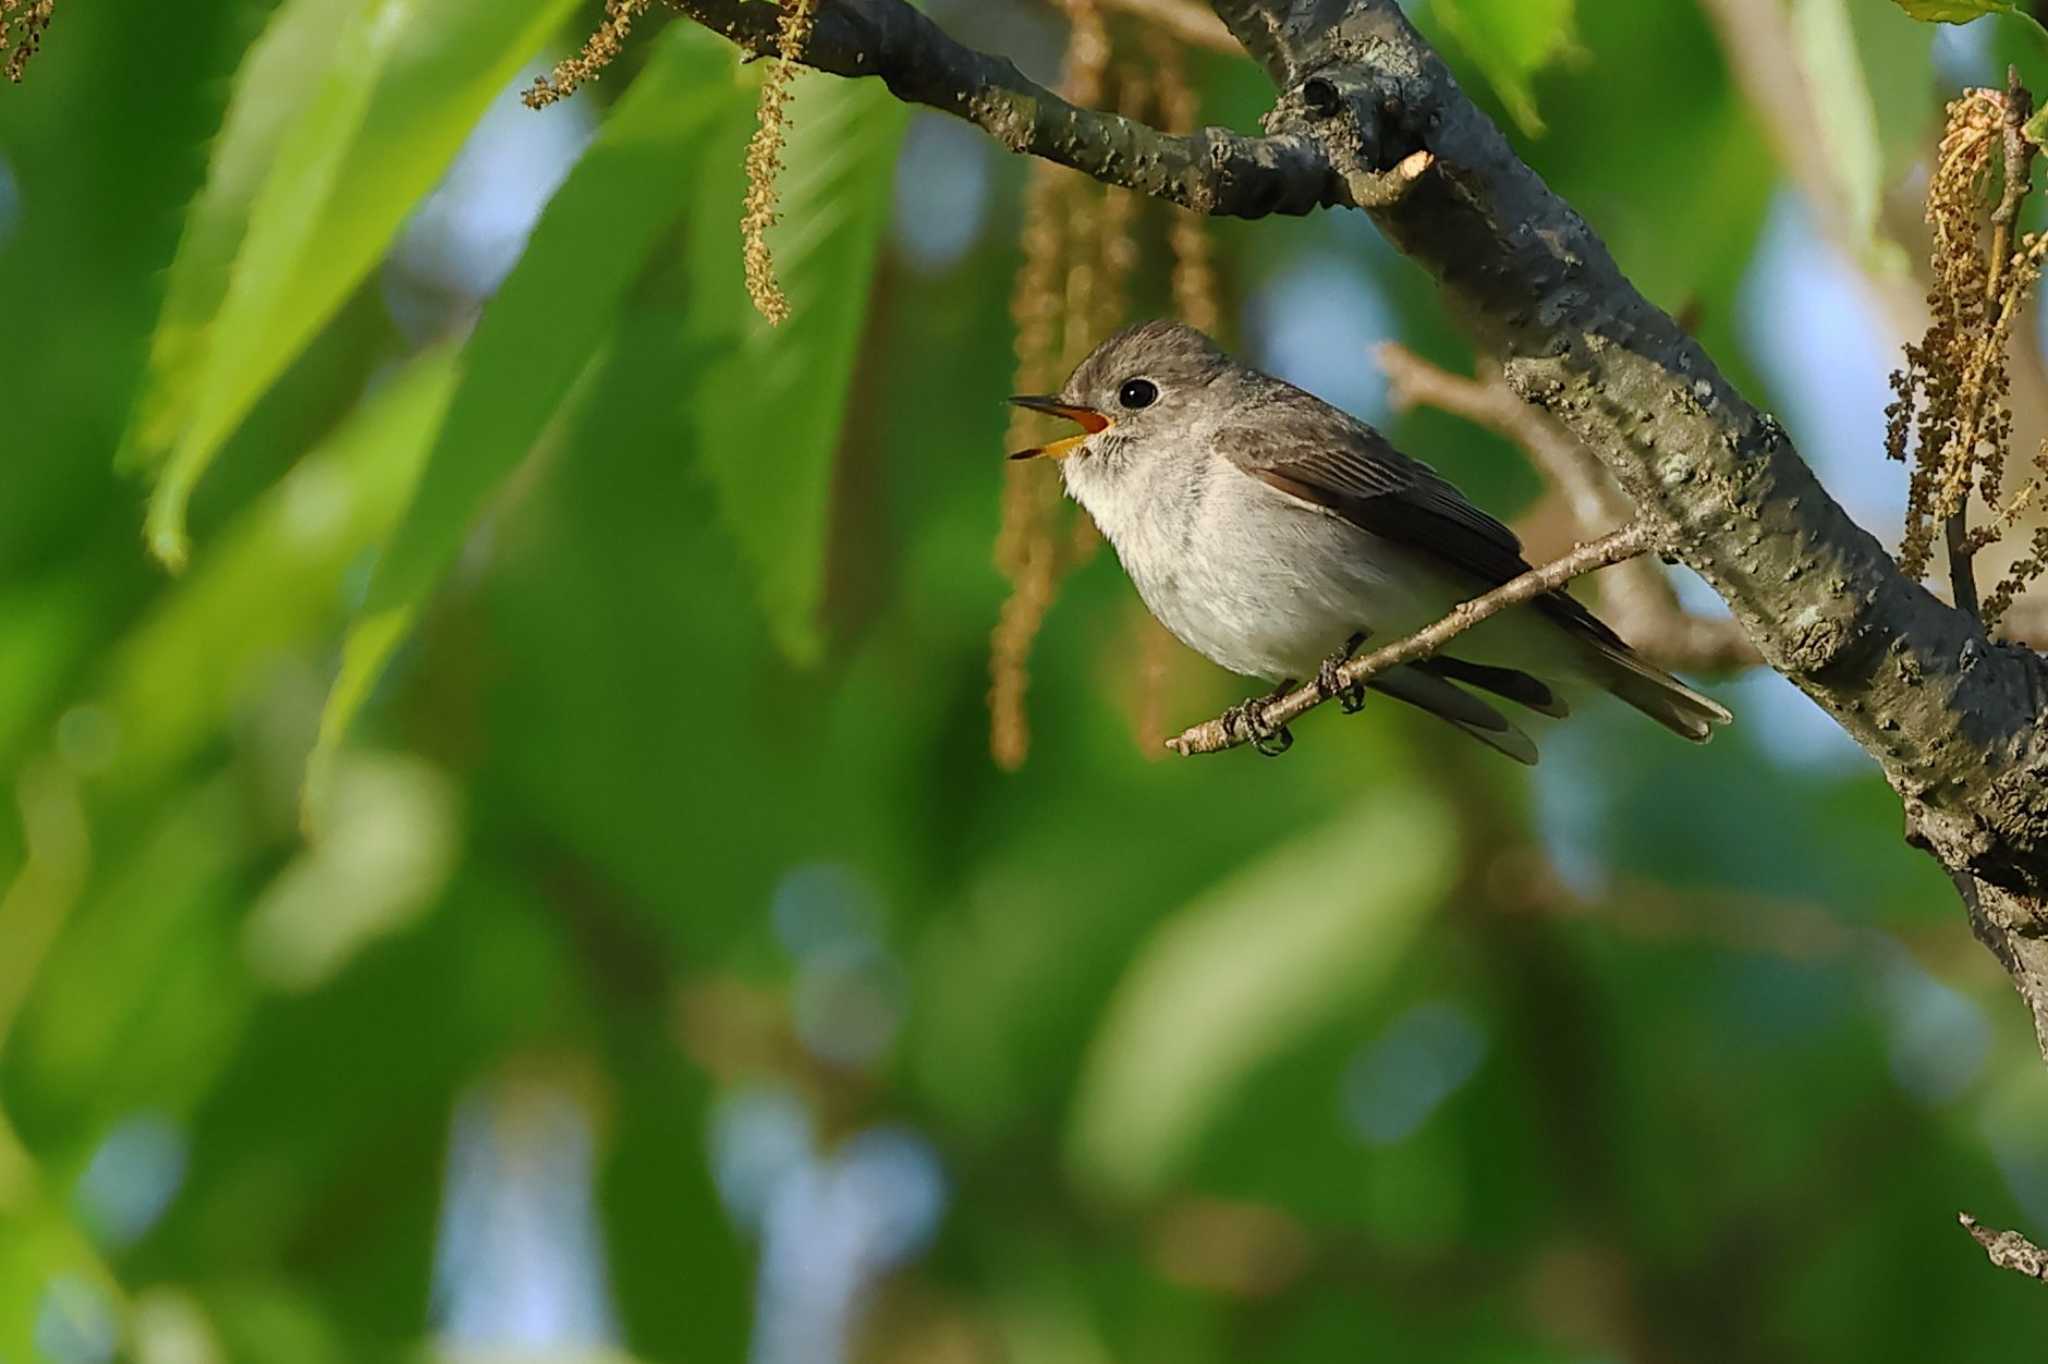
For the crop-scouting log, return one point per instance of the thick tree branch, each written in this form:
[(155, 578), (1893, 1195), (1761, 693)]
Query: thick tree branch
[(1211, 170), (1218, 735)]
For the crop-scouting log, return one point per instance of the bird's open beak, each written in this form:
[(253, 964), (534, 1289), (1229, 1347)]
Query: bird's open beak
[(1089, 420)]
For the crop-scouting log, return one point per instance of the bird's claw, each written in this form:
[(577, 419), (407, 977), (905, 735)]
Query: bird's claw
[(1330, 682), (1274, 742), (1248, 719)]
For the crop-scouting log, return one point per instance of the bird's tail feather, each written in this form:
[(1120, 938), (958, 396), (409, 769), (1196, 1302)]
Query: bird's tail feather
[(1453, 703), (1659, 695)]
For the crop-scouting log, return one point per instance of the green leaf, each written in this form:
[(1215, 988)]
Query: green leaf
[(274, 577), (1895, 54), (768, 410), (1967, 11), (276, 79), (1962, 11), (1247, 971), (1510, 41), (535, 339), (404, 81), (1847, 116)]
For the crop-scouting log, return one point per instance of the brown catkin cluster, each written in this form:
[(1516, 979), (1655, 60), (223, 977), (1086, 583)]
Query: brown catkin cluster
[(21, 32), (1195, 290), (1080, 244), (1949, 417), (600, 49), (764, 162), (1080, 250)]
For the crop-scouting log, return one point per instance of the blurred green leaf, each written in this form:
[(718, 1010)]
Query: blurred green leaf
[(276, 79), (536, 337), (404, 82), (1245, 972), (263, 1318), (319, 1148), (1963, 11), (275, 577), (41, 1248), (767, 408), (136, 1005), (1844, 109), (1512, 40), (1685, 240), (1897, 55)]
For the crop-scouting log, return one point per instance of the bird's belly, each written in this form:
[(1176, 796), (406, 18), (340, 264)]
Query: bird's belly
[(1273, 593)]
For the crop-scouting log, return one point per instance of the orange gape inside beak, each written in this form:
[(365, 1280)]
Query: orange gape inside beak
[(1087, 418)]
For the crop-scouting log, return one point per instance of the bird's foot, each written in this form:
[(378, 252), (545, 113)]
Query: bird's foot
[(1330, 682), (1247, 719)]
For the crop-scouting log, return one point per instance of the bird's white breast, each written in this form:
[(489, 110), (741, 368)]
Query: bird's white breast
[(1257, 581)]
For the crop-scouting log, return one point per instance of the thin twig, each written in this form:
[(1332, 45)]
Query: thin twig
[(1631, 540), (2008, 1249)]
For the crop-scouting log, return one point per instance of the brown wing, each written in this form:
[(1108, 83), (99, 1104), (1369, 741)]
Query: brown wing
[(1310, 450)]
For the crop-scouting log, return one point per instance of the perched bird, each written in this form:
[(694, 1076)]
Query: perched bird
[(1273, 533)]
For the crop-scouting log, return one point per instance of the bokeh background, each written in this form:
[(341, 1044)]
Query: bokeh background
[(672, 975)]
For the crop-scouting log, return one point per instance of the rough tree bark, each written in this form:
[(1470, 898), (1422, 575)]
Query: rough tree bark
[(1953, 718)]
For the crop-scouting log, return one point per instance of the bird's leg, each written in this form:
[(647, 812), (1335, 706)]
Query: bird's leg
[(1329, 683), (1248, 717)]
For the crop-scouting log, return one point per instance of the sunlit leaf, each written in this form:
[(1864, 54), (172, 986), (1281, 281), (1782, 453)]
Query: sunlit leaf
[(1512, 40), (1844, 109), (1245, 972), (1895, 54), (1963, 11), (405, 82), (768, 409), (279, 75), (536, 337)]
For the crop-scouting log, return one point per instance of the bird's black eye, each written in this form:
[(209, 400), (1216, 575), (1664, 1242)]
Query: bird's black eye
[(1137, 393)]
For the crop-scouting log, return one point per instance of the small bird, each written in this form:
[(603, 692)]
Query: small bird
[(1273, 534)]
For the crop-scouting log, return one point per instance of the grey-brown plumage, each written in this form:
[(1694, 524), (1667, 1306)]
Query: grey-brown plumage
[(1265, 528)]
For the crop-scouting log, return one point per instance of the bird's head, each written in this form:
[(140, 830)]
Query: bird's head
[(1138, 396)]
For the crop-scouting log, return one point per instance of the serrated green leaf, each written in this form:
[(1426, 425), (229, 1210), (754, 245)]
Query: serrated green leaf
[(535, 339), (406, 81), (1245, 972), (768, 410), (273, 84), (1510, 41)]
